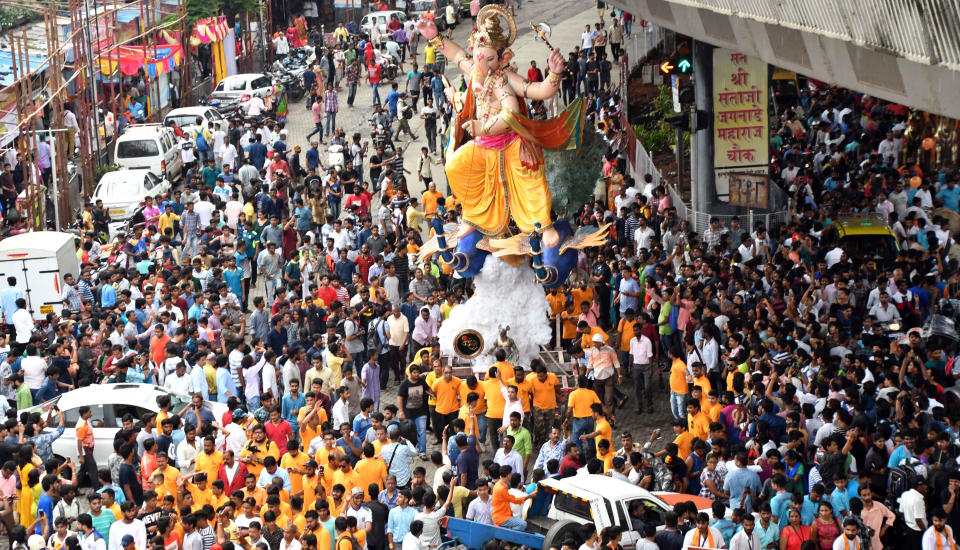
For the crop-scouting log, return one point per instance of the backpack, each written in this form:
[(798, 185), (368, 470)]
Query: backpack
[(899, 480), (374, 343), (201, 141)]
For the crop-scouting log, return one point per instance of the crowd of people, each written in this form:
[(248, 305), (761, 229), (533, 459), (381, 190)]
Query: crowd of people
[(281, 296)]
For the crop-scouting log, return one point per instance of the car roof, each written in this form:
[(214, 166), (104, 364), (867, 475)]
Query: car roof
[(848, 226), (142, 131), (598, 485), (125, 174), (244, 76), (199, 110), (126, 393)]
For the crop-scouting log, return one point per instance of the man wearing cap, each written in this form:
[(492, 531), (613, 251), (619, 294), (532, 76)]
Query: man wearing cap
[(602, 360), (914, 512)]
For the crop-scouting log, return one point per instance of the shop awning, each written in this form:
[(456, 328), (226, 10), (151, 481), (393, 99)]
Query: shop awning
[(154, 60), (34, 63), (211, 29)]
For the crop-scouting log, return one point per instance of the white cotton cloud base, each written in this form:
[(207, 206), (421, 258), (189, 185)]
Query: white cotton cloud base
[(505, 295)]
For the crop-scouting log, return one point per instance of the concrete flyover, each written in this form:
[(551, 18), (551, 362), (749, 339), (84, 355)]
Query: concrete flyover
[(906, 51)]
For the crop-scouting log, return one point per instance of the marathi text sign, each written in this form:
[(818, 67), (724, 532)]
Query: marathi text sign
[(740, 110)]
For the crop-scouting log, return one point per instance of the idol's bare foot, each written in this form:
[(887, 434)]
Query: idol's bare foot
[(550, 237)]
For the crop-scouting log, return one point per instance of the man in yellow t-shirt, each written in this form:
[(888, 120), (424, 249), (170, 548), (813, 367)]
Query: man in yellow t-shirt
[(678, 384), (169, 474), (430, 199), (294, 462), (545, 387), (697, 421), (166, 220), (587, 333), (446, 388), (578, 408), (370, 469), (257, 449), (210, 460), (624, 335), (583, 293), (495, 403)]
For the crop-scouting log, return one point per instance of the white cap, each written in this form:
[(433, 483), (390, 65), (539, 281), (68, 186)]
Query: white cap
[(598, 338)]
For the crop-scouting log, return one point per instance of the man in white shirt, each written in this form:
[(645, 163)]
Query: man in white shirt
[(480, 509), (178, 381), (412, 541), (204, 209), (340, 412), (128, 530), (23, 324), (747, 538), (34, 369), (641, 359), (643, 236), (187, 451), (914, 514), (507, 456), (586, 40), (229, 155), (884, 311), (938, 536)]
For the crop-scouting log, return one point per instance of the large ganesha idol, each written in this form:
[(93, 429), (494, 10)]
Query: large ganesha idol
[(494, 159)]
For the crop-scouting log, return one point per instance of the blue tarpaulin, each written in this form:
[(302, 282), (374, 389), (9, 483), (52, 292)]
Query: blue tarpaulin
[(35, 63), (127, 15)]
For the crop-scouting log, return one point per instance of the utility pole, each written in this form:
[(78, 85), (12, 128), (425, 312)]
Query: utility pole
[(703, 177)]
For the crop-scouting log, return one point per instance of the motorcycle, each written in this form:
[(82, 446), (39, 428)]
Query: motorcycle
[(380, 137), (227, 109), (335, 157)]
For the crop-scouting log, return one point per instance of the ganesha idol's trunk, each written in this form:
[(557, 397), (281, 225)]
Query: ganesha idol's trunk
[(536, 248), (467, 259)]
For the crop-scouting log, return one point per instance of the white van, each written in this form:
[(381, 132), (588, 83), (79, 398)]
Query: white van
[(39, 260), (150, 146)]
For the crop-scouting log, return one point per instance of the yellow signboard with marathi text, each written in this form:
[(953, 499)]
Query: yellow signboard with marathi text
[(741, 121)]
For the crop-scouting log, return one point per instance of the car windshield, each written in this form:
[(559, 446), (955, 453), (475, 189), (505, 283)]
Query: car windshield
[(183, 120), (136, 148), (870, 247), (122, 187), (421, 5)]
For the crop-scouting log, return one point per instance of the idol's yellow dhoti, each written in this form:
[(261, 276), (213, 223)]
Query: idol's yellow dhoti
[(496, 178), (493, 185)]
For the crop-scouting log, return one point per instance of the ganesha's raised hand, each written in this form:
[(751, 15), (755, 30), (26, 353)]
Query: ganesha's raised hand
[(427, 27), (555, 61)]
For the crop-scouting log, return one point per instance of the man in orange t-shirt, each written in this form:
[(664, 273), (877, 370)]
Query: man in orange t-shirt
[(545, 387), (501, 500), (158, 345), (447, 392)]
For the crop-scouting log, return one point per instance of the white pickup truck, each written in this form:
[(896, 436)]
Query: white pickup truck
[(563, 505)]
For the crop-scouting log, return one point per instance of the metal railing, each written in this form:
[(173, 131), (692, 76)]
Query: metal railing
[(643, 40), (643, 164), (699, 221), (925, 31)]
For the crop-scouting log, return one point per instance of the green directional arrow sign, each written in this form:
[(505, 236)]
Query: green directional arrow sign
[(684, 65)]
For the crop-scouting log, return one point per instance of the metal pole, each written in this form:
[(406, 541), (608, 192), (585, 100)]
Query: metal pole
[(56, 182), (678, 151), (703, 93), (95, 93)]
